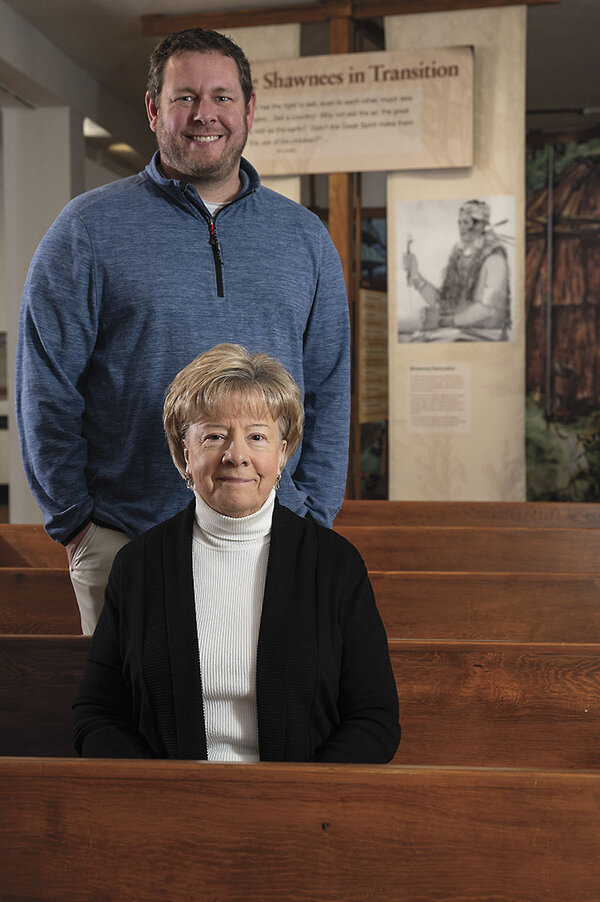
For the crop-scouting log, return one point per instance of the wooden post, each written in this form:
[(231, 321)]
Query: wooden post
[(341, 229)]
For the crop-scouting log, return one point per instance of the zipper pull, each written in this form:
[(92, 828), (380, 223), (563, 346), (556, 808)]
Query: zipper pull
[(214, 241)]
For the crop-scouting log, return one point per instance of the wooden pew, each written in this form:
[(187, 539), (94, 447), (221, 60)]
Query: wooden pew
[(29, 546), (520, 607), (122, 831), (25, 545), (498, 704), (469, 548), (39, 676), (541, 514), (525, 607), (37, 600), (461, 703)]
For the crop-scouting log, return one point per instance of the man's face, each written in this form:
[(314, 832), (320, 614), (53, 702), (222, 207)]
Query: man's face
[(468, 228), (201, 119)]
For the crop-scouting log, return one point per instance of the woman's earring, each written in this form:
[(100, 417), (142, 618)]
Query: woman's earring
[(277, 482), (189, 481)]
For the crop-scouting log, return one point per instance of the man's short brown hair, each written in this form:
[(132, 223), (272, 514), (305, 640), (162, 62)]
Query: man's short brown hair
[(196, 40)]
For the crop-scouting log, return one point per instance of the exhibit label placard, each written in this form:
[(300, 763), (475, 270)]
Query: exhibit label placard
[(361, 112)]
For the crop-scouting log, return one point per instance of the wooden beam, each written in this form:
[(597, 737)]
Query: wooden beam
[(367, 9), (341, 27), (162, 23), (538, 514), (341, 227)]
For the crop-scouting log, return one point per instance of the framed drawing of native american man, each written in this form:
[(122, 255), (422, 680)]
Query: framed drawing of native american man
[(456, 281)]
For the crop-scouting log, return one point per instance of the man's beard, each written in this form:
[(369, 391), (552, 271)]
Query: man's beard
[(174, 155)]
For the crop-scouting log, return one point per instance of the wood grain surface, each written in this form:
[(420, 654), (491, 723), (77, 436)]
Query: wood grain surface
[(39, 676), (498, 704), (542, 514), (461, 703), (522, 607), (38, 600), (528, 607), (469, 548), (28, 545), (123, 831)]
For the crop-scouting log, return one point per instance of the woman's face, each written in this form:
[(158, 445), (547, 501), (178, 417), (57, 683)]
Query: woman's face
[(234, 458)]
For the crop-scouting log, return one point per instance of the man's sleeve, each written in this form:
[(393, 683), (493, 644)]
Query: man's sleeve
[(322, 467), (56, 338)]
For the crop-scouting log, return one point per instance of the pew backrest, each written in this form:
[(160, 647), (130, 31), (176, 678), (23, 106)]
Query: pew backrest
[(491, 550), (28, 545), (122, 831), (38, 600), (520, 607), (39, 676), (461, 703), (526, 607), (541, 514), (498, 704)]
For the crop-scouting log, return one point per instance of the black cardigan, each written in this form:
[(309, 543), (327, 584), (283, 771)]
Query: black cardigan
[(325, 688)]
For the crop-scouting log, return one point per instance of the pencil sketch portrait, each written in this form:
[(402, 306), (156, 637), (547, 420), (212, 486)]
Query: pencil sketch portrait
[(456, 279)]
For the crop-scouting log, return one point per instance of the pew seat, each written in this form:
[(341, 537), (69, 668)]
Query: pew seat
[(122, 831), (461, 703)]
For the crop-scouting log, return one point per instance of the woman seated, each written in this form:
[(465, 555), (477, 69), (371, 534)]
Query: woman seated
[(237, 630)]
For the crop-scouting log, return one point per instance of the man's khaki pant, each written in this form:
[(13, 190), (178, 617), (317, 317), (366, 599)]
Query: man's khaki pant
[(89, 570)]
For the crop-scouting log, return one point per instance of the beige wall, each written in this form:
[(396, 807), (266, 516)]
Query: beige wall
[(487, 461)]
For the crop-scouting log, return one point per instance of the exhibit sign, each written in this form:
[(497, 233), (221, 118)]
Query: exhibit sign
[(439, 398), (361, 112)]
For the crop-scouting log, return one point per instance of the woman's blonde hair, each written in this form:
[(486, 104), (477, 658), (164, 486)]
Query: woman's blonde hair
[(209, 383)]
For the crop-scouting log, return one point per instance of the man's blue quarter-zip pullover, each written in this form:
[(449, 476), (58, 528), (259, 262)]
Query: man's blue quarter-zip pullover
[(131, 282)]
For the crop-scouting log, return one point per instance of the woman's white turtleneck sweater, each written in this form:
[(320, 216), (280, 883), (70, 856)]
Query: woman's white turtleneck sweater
[(229, 563)]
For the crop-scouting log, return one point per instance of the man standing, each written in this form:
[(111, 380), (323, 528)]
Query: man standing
[(138, 277)]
